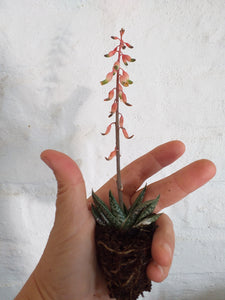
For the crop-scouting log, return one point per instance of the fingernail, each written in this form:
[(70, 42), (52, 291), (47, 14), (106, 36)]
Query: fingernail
[(45, 160), (160, 269), (168, 249)]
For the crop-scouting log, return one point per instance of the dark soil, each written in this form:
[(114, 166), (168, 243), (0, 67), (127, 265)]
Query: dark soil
[(123, 258)]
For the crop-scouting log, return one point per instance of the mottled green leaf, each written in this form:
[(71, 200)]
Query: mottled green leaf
[(148, 220), (115, 208), (148, 208), (97, 216), (138, 200), (103, 210)]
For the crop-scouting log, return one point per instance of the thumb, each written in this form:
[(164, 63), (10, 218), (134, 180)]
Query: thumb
[(71, 204)]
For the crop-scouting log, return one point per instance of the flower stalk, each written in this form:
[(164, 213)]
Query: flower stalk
[(122, 80)]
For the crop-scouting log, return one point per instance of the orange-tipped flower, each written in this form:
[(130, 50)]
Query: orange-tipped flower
[(111, 155), (108, 78), (110, 96), (126, 134)]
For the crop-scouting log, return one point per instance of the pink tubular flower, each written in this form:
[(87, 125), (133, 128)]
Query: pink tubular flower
[(109, 77), (111, 53), (120, 94), (114, 38), (110, 96), (111, 155), (124, 79), (128, 45), (108, 129), (121, 120), (127, 58), (124, 99), (113, 109), (126, 134)]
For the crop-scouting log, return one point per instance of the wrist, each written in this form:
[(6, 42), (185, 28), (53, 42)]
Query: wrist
[(30, 291)]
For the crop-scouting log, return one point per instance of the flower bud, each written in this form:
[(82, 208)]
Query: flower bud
[(108, 129), (126, 134), (124, 99), (113, 109), (127, 58), (109, 77), (111, 53), (110, 96), (114, 38), (129, 46), (122, 32), (116, 66), (111, 155), (121, 120)]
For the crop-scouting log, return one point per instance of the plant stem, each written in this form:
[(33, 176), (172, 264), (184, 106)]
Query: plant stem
[(118, 180)]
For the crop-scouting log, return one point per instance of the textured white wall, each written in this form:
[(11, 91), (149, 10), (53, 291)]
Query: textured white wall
[(51, 62)]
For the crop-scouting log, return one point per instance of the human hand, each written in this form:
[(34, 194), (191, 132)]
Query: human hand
[(68, 268)]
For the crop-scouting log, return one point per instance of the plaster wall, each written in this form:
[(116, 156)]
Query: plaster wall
[(51, 62)]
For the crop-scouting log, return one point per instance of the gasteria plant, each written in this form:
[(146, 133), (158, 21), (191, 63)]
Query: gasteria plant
[(123, 235), (119, 216)]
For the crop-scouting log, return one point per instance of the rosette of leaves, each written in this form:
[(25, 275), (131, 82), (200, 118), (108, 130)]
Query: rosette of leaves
[(139, 214)]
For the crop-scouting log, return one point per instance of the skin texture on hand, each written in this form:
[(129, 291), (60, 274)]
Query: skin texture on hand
[(68, 268)]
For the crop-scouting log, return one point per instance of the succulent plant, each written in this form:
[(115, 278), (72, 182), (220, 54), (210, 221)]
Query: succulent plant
[(139, 214)]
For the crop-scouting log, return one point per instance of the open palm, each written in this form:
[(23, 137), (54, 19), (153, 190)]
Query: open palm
[(68, 268)]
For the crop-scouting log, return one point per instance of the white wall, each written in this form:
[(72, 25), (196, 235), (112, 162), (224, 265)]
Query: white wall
[(51, 62)]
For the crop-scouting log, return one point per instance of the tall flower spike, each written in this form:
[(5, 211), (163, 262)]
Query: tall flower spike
[(122, 79)]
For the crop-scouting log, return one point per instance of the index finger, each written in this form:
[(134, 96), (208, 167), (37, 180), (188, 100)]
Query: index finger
[(142, 168)]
